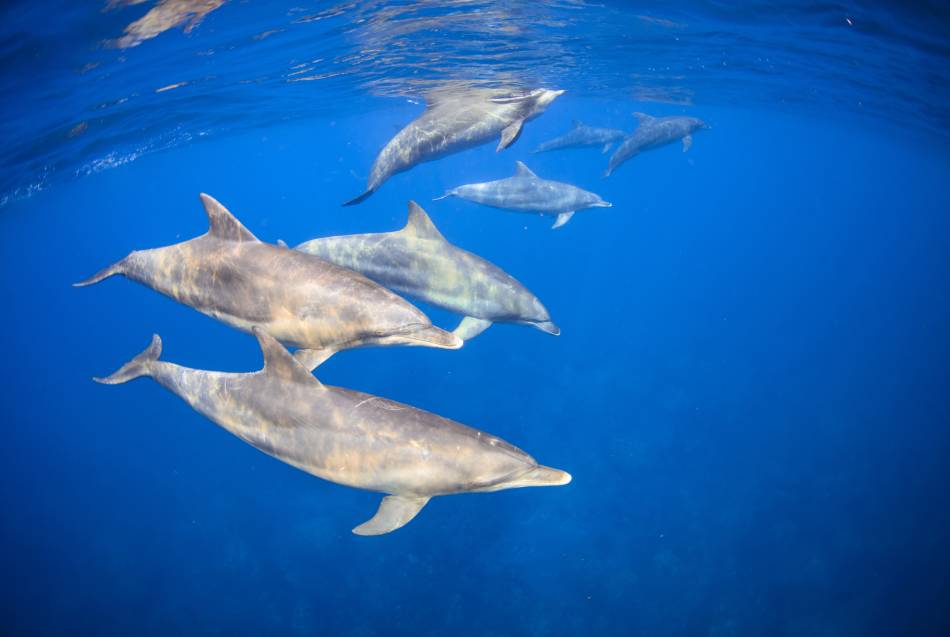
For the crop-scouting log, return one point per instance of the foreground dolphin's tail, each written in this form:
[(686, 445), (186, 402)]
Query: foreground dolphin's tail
[(138, 366), (360, 199), (116, 268)]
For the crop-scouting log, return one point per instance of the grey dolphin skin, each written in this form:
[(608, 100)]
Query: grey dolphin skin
[(582, 136), (653, 132), (344, 436), (454, 120), (297, 298), (526, 192), (418, 261)]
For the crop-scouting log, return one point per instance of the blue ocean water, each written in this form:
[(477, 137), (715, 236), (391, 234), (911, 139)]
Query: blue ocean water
[(750, 385)]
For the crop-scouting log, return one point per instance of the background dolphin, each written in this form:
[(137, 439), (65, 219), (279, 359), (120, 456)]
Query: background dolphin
[(653, 132), (299, 299), (418, 261), (526, 192), (343, 436), (454, 120), (581, 136)]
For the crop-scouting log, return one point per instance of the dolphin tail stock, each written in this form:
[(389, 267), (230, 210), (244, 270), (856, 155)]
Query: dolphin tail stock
[(116, 268), (138, 366), (359, 199)]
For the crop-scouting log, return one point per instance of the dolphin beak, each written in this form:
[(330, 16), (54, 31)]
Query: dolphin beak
[(603, 204), (432, 336), (541, 476)]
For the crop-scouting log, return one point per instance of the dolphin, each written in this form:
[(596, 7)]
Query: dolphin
[(344, 436), (581, 136), (526, 192), (653, 132), (455, 120), (418, 261), (299, 299)]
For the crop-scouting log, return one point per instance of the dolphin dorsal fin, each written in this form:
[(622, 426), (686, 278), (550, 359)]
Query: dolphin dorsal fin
[(577, 123), (523, 171), (279, 362), (222, 224), (642, 117), (420, 225)]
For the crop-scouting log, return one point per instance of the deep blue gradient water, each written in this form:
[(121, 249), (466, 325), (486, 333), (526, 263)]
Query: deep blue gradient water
[(750, 389)]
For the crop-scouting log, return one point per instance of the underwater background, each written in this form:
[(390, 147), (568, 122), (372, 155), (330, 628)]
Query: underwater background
[(750, 387)]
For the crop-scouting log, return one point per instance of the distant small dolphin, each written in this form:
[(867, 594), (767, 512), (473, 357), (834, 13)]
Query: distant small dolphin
[(418, 261), (347, 437), (581, 136), (526, 192), (652, 133), (455, 120), (299, 299)]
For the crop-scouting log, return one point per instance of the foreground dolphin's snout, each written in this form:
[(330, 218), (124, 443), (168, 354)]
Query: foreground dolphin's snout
[(436, 337), (541, 476)]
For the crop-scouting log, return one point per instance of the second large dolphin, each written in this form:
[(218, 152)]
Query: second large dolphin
[(653, 132), (526, 192), (344, 436), (455, 120), (297, 298), (418, 261)]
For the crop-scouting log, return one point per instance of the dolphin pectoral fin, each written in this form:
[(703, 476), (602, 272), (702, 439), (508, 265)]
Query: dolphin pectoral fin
[(603, 151), (562, 218), (313, 358), (395, 511), (470, 327), (687, 143), (359, 199), (510, 134)]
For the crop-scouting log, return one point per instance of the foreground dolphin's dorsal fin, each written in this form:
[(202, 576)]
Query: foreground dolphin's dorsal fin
[(470, 327), (222, 224), (279, 362), (420, 225), (643, 117), (523, 171), (394, 511), (282, 243)]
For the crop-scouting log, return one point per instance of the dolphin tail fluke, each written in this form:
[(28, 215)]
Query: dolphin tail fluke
[(116, 268), (395, 511), (360, 199), (448, 193), (138, 366)]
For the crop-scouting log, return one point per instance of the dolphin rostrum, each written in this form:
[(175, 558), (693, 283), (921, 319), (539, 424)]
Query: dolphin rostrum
[(653, 132), (297, 298), (455, 120), (526, 192), (582, 136), (418, 261), (344, 436)]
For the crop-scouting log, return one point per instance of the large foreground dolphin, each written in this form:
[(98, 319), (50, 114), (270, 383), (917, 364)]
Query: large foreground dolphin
[(455, 120), (418, 261), (347, 437), (299, 299), (653, 132), (526, 192), (582, 136)]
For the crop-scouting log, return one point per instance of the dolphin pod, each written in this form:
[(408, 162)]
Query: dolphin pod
[(526, 192), (344, 436), (581, 136), (420, 262), (653, 132), (299, 299), (455, 120)]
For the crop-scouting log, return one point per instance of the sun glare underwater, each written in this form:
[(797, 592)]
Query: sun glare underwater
[(461, 317)]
